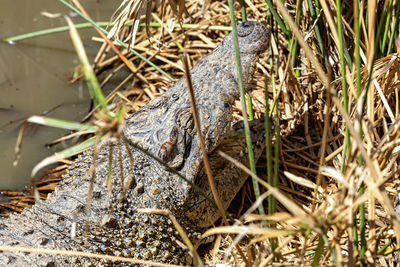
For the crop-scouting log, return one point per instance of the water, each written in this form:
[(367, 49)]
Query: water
[(33, 80)]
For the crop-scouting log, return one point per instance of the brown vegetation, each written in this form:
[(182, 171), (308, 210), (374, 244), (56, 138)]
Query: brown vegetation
[(335, 203)]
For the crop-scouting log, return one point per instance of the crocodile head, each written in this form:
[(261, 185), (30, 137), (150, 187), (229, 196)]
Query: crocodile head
[(217, 87), (165, 128)]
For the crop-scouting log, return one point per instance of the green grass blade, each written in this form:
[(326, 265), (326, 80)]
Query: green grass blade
[(90, 76), (278, 19), (394, 30), (357, 58), (89, 25), (66, 153), (318, 30), (344, 83), (382, 250), (318, 252), (244, 14), (51, 31), (363, 226), (387, 25), (295, 49), (62, 124), (273, 172), (268, 144), (250, 107), (243, 102)]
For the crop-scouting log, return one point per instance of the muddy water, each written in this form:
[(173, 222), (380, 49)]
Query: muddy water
[(33, 79)]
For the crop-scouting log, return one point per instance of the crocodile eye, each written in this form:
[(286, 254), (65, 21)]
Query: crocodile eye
[(226, 104), (245, 28)]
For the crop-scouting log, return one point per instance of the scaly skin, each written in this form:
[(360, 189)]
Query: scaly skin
[(165, 128)]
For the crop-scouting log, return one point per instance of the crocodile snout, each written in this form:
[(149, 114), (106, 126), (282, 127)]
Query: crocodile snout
[(253, 36), (245, 28)]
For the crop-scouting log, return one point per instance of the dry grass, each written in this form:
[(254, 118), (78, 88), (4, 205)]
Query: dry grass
[(308, 213), (318, 215)]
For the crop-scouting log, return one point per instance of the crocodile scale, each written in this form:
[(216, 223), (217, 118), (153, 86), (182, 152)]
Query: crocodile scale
[(165, 128)]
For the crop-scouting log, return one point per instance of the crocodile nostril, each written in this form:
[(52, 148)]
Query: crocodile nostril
[(244, 29)]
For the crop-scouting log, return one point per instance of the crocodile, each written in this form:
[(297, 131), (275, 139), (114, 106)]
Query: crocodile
[(164, 128)]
